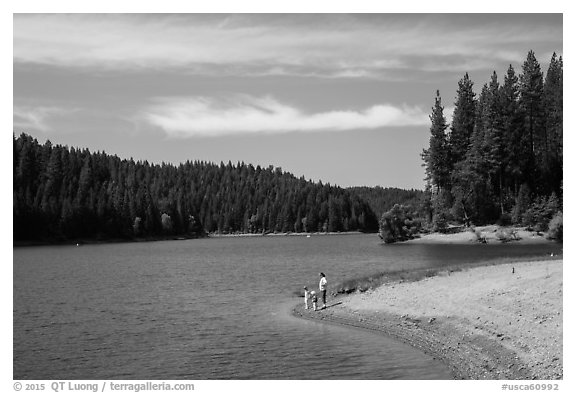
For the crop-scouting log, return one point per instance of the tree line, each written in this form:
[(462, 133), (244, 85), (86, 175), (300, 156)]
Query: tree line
[(62, 193), (382, 199), (500, 159)]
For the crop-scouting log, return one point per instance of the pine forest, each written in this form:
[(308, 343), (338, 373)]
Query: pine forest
[(65, 193), (500, 159)]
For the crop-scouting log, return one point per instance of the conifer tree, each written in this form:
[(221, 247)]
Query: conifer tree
[(494, 140), (553, 107), (532, 110), (516, 154), (462, 120), (472, 188), (436, 157)]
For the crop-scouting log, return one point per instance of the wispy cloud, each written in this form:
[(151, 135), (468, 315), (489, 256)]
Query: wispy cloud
[(328, 45), (200, 116), (37, 117)]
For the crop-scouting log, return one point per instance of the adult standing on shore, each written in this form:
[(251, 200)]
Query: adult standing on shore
[(322, 287)]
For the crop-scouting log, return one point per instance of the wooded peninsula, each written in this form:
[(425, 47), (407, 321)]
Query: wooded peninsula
[(499, 161)]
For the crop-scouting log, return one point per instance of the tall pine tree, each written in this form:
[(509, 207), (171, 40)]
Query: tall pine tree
[(516, 157), (462, 120), (436, 157), (553, 108), (532, 110)]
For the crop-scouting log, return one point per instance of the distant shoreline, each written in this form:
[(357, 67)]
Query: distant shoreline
[(305, 234), (483, 322), (489, 232), (80, 242)]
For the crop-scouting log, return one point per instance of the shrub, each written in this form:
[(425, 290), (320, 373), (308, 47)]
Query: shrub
[(479, 237), (506, 235), (440, 222), (137, 226), (166, 223), (555, 227), (541, 212), (398, 224)]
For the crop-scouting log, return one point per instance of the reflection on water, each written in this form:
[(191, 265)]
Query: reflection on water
[(211, 309)]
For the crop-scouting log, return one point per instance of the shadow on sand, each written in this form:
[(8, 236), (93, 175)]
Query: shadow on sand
[(331, 305)]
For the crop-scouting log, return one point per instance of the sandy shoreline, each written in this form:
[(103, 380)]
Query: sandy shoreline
[(483, 322), (281, 234), (489, 233)]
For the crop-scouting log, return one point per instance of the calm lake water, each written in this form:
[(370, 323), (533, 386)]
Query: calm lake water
[(212, 308)]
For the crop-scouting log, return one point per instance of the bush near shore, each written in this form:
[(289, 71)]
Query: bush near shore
[(401, 223)]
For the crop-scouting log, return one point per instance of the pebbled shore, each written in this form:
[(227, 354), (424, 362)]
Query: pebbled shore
[(483, 323)]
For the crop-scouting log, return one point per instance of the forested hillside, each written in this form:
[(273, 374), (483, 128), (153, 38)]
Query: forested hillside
[(382, 199), (501, 157), (64, 193)]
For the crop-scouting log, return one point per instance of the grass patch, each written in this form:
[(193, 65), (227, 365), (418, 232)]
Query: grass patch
[(362, 284), (372, 281)]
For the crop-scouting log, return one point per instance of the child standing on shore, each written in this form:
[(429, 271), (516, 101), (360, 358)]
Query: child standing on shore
[(306, 297), (314, 300)]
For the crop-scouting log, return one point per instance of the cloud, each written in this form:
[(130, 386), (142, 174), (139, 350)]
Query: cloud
[(351, 46), (200, 116), (37, 117)]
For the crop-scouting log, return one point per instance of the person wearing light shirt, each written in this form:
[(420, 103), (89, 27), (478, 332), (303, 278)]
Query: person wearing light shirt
[(322, 286)]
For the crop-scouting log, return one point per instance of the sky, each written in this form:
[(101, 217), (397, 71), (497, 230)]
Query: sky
[(342, 98)]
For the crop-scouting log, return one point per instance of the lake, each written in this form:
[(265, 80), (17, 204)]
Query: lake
[(215, 308)]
